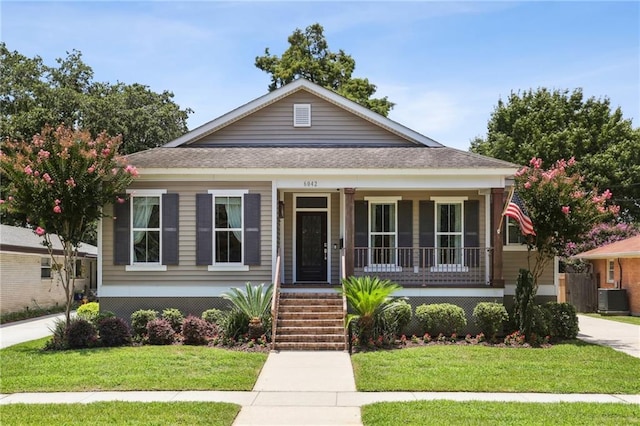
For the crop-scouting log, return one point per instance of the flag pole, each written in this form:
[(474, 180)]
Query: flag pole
[(513, 188)]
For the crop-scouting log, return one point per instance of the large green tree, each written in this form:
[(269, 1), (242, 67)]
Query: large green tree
[(557, 124), (33, 94), (308, 56)]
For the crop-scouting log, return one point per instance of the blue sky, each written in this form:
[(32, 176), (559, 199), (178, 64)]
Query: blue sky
[(445, 64)]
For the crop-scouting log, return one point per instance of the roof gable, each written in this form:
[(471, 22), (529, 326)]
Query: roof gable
[(397, 131)]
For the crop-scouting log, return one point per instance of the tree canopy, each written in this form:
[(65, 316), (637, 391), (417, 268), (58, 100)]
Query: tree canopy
[(308, 56), (33, 94), (59, 181), (558, 124)]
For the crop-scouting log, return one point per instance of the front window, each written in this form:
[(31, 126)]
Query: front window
[(146, 229), (449, 233), (227, 233), (382, 234), (513, 233)]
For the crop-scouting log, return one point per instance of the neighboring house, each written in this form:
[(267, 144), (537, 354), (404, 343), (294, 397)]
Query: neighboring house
[(618, 266), (311, 176), (28, 280)]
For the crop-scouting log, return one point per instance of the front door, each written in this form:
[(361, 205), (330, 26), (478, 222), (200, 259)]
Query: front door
[(311, 246)]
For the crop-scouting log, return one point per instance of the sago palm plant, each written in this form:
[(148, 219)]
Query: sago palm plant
[(255, 303), (367, 297)]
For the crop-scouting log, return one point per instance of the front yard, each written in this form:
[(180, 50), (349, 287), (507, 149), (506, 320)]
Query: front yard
[(26, 368), (574, 367)]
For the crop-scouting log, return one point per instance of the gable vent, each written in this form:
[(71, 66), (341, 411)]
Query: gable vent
[(302, 115)]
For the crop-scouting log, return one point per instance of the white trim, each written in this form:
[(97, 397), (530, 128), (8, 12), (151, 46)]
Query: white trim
[(274, 230), (146, 192), (383, 200), (376, 267), (546, 289), (141, 267), (487, 234), (235, 267), (449, 199), (228, 192), (302, 84), (100, 258)]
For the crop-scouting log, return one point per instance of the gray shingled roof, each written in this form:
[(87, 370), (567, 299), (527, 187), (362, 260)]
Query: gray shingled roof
[(23, 237), (314, 158)]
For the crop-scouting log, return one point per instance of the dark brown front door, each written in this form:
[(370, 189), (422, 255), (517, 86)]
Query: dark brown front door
[(311, 246)]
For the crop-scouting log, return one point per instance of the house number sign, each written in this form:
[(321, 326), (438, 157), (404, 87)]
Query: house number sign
[(310, 183)]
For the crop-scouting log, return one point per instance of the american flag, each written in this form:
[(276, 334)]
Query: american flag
[(516, 210)]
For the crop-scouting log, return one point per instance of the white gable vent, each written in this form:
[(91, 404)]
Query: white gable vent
[(301, 115)]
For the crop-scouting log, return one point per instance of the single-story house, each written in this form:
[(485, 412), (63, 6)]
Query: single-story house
[(28, 280), (303, 186), (618, 266)]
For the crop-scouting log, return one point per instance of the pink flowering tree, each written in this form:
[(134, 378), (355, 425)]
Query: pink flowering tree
[(60, 180), (562, 212)]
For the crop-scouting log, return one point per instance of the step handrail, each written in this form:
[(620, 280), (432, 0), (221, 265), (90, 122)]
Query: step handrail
[(343, 275), (275, 300)]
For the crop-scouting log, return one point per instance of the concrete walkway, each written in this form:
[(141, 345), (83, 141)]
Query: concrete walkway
[(617, 335), (27, 330), (318, 388)]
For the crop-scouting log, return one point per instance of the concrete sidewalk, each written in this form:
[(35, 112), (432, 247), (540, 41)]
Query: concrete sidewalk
[(617, 335)]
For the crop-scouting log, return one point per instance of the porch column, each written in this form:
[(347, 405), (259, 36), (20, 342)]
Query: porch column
[(497, 204), (349, 229)]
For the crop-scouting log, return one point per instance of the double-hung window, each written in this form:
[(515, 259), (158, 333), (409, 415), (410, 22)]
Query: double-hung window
[(45, 267), (449, 233), (611, 270), (513, 233), (227, 231), (383, 231), (146, 229)]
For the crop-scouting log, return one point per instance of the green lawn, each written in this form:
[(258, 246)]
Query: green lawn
[(619, 318), (120, 413), (26, 368), (576, 367), (499, 413)]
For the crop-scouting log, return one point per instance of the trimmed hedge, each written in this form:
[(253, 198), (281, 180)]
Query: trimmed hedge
[(489, 317), (440, 318)]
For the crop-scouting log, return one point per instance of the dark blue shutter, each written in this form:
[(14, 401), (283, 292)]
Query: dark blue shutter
[(170, 229), (471, 232), (204, 229), (122, 232), (252, 229), (361, 234), (427, 235), (405, 233)]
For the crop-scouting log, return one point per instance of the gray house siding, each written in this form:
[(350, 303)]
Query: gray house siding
[(186, 272), (330, 125)]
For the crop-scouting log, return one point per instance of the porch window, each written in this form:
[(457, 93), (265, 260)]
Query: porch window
[(227, 231), (449, 222), (145, 229), (513, 233), (382, 233)]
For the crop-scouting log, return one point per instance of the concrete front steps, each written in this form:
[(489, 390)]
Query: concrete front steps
[(310, 321)]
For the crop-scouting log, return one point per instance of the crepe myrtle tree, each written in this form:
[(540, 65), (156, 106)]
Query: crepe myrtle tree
[(562, 212), (60, 180)]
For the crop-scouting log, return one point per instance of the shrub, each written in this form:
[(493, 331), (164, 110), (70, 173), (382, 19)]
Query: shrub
[(442, 318), (114, 332), (524, 302), (81, 334), (102, 315), (540, 321), (213, 316), (395, 317), (160, 332), (89, 311), (234, 324), (175, 318), (489, 316), (195, 330), (563, 320), (139, 321), (58, 340), (255, 303)]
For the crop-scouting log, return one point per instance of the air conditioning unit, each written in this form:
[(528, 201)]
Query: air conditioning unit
[(613, 301)]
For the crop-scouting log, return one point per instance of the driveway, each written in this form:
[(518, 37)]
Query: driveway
[(24, 331), (620, 336)]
